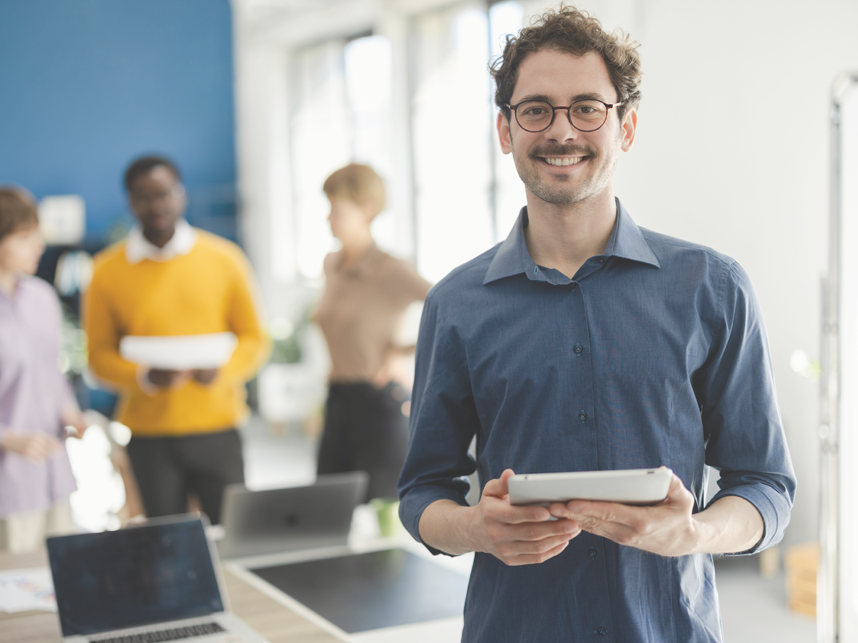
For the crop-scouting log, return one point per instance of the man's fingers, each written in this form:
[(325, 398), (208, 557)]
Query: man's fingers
[(519, 515), (535, 531), (536, 558), (676, 492), (604, 511), (503, 482), (499, 487)]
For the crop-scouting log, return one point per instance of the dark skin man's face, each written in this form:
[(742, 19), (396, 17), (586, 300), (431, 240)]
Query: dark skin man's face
[(157, 199)]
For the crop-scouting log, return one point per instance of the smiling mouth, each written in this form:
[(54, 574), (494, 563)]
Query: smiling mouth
[(564, 161)]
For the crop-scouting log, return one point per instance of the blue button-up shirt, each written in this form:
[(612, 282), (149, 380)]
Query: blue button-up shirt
[(654, 353)]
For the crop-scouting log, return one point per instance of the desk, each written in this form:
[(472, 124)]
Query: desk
[(272, 620)]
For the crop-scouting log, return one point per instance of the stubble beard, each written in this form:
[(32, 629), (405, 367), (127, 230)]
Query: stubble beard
[(561, 191)]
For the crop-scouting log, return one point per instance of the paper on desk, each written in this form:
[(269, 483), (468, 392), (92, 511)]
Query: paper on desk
[(23, 590), (179, 352)]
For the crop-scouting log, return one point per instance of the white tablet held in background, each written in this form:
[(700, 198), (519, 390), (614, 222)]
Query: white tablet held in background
[(179, 352), (628, 486)]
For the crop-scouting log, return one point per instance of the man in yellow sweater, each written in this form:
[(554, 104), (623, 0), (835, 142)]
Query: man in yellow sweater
[(166, 279)]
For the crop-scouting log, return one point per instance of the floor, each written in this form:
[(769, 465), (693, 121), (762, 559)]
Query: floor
[(753, 609)]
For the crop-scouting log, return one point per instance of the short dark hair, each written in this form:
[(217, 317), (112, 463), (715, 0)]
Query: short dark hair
[(576, 32), (146, 164), (17, 211)]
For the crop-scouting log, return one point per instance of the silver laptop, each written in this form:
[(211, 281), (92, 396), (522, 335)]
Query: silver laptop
[(285, 519), (157, 581)]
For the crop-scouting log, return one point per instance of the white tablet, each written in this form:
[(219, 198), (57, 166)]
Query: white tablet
[(179, 352), (628, 486)]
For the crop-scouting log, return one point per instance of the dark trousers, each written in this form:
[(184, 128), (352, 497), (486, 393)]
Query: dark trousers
[(365, 430), (168, 468)]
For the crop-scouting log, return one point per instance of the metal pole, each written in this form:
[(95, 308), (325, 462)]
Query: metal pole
[(828, 590)]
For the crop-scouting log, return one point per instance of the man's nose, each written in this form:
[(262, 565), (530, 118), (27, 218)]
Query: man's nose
[(561, 128)]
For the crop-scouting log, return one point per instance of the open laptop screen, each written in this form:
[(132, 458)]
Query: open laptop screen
[(136, 576)]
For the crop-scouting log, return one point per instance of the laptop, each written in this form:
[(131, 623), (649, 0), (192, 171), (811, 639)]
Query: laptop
[(157, 581), (290, 518)]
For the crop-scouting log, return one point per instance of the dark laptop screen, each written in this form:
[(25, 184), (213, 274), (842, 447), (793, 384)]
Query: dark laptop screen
[(136, 576)]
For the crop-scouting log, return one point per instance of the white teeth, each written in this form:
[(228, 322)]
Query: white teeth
[(562, 162)]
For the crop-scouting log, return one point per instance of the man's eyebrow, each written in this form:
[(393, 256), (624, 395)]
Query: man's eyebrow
[(577, 97)]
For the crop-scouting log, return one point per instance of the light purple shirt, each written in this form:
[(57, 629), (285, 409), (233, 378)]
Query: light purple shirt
[(33, 395)]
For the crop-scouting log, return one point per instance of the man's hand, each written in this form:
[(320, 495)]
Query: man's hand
[(668, 528), (163, 378), (204, 376), (36, 447), (515, 535)]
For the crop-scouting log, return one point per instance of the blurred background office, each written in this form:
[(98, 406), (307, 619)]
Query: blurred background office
[(260, 100)]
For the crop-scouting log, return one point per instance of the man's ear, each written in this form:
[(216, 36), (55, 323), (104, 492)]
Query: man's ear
[(629, 129), (504, 135)]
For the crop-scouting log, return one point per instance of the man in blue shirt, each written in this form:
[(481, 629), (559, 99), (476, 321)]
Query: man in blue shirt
[(584, 342)]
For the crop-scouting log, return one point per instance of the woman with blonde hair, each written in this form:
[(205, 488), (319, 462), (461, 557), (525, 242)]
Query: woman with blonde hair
[(367, 293)]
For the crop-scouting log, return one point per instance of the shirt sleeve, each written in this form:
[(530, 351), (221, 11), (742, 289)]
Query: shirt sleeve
[(245, 320), (744, 434), (103, 335), (443, 421)]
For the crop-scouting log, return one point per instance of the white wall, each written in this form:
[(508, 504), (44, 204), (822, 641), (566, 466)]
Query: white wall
[(732, 152)]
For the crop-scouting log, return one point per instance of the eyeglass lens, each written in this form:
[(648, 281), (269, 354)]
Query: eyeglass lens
[(585, 115)]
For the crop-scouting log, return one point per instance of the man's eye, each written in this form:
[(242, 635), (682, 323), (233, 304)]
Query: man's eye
[(535, 111)]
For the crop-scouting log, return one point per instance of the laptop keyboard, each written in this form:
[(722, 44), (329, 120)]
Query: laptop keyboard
[(174, 634)]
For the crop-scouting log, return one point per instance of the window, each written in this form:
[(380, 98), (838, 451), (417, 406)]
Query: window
[(465, 193), (341, 113)]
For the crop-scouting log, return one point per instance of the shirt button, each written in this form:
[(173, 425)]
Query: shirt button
[(602, 261), (536, 270), (592, 554), (582, 416), (578, 348), (602, 631), (574, 286)]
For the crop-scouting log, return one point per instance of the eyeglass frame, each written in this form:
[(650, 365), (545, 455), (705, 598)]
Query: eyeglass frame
[(608, 107)]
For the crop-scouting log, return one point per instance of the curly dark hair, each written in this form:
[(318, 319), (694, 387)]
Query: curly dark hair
[(576, 32)]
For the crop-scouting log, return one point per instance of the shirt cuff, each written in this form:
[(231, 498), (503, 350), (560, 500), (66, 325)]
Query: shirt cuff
[(143, 381), (414, 503), (773, 524)]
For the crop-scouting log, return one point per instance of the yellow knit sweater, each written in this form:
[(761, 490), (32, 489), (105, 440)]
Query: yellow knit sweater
[(208, 290)]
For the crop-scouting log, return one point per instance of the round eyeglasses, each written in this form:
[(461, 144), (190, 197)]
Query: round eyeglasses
[(584, 115)]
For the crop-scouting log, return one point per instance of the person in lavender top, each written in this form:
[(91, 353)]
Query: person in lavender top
[(36, 401)]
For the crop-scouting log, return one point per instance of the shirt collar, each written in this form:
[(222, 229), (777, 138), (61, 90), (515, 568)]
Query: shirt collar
[(512, 258), (138, 248)]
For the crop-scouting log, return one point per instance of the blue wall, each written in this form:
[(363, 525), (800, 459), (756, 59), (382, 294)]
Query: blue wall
[(86, 85)]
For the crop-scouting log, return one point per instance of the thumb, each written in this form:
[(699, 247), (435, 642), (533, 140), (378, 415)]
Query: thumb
[(499, 487), (676, 492)]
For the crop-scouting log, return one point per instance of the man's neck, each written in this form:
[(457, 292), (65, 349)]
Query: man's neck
[(159, 238), (8, 282), (563, 237)]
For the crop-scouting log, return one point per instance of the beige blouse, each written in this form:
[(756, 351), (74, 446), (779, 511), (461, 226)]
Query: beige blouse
[(361, 309)]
